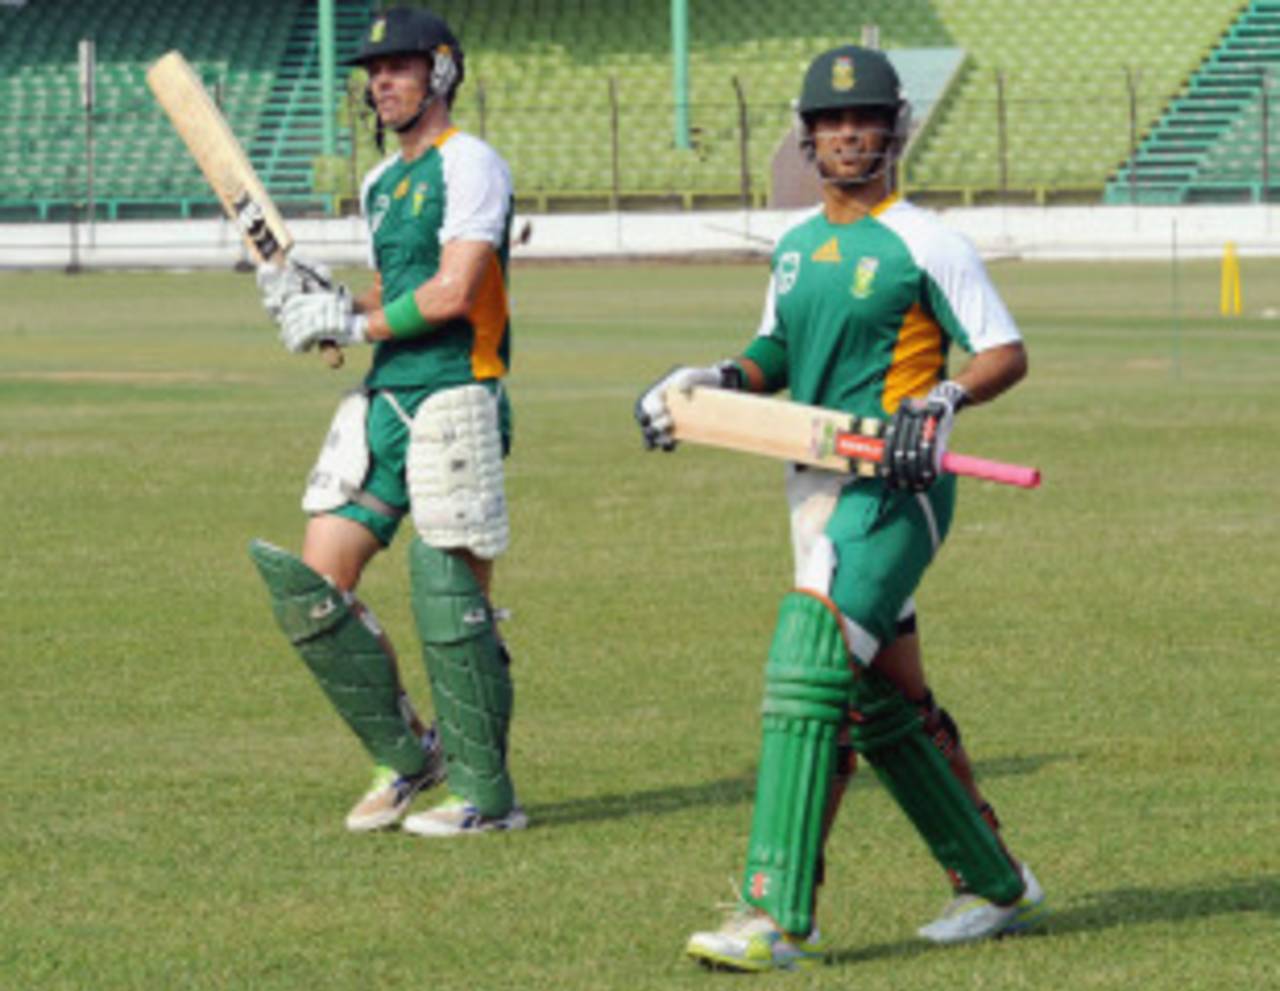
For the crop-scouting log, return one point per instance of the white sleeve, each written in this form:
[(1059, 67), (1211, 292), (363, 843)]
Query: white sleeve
[(971, 309), (477, 192), (769, 318)]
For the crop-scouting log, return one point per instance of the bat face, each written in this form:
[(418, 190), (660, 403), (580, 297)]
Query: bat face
[(230, 175), (214, 148)]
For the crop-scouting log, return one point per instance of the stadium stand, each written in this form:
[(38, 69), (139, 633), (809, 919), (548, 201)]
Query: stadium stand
[(1209, 143), (1031, 117), (577, 95), (557, 85), (1056, 92), (256, 58)]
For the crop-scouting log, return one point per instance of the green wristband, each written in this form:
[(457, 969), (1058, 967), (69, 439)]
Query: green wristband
[(404, 318)]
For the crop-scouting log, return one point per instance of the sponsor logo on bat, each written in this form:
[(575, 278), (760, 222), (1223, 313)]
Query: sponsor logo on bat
[(252, 221)]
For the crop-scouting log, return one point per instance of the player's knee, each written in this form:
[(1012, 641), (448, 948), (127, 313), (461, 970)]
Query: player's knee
[(808, 673)]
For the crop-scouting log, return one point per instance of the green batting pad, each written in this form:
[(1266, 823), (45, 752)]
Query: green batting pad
[(806, 694), (470, 683), (887, 730), (346, 658)]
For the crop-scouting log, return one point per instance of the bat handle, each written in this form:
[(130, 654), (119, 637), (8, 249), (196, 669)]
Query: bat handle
[(332, 354), (991, 471)]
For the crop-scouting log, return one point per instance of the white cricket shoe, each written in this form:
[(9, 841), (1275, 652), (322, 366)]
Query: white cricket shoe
[(456, 816), (388, 797), (751, 941), (971, 917)]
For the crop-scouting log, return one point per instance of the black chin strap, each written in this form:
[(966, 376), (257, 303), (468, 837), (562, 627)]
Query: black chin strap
[(412, 122)]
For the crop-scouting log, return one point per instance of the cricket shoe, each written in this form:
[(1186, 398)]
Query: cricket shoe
[(971, 917), (456, 816), (388, 798), (750, 941)]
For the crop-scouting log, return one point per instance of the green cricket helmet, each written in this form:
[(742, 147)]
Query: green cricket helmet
[(415, 31), (852, 76)]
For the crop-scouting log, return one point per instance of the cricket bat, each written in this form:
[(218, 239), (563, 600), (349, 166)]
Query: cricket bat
[(809, 435), (209, 139)]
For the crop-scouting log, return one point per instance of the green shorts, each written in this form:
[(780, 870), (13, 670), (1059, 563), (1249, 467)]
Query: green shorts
[(883, 543), (388, 438)]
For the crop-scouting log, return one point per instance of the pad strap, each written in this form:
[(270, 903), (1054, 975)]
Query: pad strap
[(470, 678), (888, 731), (806, 695), (345, 656)]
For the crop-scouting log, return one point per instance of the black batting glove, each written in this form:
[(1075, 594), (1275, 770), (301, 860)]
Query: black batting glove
[(917, 436)]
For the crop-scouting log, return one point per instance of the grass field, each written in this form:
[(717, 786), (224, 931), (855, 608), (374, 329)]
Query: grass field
[(174, 783)]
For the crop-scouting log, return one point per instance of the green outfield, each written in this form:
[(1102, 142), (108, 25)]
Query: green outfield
[(174, 783)]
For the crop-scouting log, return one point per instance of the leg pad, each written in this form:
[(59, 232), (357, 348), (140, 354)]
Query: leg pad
[(469, 675), (887, 730), (343, 654), (806, 697)]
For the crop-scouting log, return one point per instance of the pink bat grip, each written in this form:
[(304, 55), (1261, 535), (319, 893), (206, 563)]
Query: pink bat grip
[(992, 471)]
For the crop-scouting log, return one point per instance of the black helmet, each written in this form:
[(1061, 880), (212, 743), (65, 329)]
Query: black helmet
[(415, 31)]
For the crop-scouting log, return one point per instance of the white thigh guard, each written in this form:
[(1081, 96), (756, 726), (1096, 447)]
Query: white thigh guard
[(811, 497), (454, 470), (344, 459)]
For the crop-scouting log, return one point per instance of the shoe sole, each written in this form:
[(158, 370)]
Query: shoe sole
[(1026, 919), (715, 961), (712, 960), (443, 832)]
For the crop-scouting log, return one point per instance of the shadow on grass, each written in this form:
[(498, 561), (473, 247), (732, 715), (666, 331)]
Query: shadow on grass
[(735, 790), (1118, 907)]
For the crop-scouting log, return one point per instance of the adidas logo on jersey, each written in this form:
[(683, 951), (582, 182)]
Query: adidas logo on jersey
[(829, 252)]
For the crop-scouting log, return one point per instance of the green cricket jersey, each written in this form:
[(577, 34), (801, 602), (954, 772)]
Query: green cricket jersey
[(460, 189), (859, 316)]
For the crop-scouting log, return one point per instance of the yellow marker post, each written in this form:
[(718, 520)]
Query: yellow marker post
[(1230, 300)]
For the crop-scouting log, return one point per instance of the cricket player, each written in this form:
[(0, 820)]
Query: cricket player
[(867, 294), (425, 435)]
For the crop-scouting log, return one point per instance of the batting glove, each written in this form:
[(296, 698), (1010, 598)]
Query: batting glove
[(917, 436), (312, 318), (651, 411), (298, 275)]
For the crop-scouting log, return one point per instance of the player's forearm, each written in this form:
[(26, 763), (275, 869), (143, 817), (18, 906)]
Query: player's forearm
[(992, 372), (434, 303)]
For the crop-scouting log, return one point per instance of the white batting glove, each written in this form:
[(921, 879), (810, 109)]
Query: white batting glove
[(296, 276), (651, 410), (311, 318), (951, 397)]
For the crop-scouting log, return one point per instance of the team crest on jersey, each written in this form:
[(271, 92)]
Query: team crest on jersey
[(420, 196), (402, 190), (842, 77), (787, 273), (829, 252), (379, 212), (864, 276)]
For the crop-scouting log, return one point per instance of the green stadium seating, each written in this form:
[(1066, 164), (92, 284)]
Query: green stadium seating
[(1208, 144), (543, 76), (1044, 108), (257, 58), (544, 67)]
